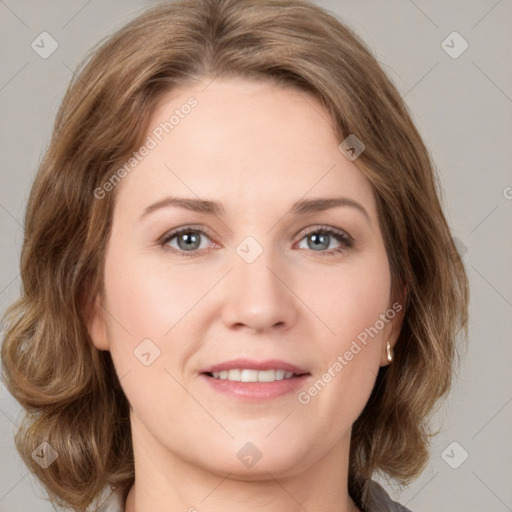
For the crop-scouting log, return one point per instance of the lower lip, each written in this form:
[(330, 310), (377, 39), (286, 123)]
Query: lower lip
[(256, 391)]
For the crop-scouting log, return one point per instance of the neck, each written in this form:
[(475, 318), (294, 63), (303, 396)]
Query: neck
[(164, 481), (137, 502)]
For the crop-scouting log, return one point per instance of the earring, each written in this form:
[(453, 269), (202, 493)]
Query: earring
[(389, 350)]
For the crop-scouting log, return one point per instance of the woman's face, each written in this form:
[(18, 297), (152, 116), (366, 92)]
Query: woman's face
[(252, 278)]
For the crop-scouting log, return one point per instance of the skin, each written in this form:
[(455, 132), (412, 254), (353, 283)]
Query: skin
[(256, 148)]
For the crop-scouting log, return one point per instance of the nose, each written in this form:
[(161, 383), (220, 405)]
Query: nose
[(258, 295)]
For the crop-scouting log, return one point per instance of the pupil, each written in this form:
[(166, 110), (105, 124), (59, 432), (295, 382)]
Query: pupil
[(189, 239), (324, 243)]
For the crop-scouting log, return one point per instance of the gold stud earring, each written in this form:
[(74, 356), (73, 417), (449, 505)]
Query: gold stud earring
[(389, 350)]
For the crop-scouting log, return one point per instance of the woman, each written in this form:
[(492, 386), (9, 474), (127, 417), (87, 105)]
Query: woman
[(240, 290)]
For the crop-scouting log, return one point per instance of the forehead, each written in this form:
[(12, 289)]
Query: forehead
[(242, 141)]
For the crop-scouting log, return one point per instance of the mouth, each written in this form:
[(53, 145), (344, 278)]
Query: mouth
[(249, 375), (251, 380)]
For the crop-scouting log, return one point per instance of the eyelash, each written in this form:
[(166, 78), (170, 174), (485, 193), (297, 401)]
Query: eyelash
[(346, 240)]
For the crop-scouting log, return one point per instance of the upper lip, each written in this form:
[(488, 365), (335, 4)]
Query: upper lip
[(252, 364)]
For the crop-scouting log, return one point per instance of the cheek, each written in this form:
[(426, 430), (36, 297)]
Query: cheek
[(150, 299), (153, 309), (355, 297), (350, 357), (352, 308)]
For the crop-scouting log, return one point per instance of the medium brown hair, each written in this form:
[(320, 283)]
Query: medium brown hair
[(69, 389)]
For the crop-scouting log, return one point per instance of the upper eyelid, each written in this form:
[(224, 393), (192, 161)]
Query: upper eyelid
[(320, 227)]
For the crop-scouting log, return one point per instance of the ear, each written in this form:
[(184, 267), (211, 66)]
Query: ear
[(391, 332), (96, 323)]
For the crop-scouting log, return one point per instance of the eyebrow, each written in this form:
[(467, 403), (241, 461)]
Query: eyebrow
[(207, 207)]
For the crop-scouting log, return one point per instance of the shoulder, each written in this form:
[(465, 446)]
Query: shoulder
[(376, 499), (114, 502)]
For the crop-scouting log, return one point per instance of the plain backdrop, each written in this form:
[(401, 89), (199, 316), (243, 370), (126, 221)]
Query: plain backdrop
[(461, 101)]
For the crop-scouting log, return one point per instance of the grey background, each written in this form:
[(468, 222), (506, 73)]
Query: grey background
[(462, 107)]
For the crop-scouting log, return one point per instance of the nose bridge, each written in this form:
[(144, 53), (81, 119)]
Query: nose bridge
[(254, 264), (256, 295)]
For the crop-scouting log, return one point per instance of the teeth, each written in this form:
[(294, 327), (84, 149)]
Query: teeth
[(244, 375)]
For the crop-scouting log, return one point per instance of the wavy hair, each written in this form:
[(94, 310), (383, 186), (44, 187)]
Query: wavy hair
[(69, 390)]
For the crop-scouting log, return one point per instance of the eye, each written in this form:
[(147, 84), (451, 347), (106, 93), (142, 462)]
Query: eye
[(188, 239), (321, 237)]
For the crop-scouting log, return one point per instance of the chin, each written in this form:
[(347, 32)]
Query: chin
[(254, 460)]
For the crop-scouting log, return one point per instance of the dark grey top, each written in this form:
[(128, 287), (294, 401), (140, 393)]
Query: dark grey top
[(375, 499)]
